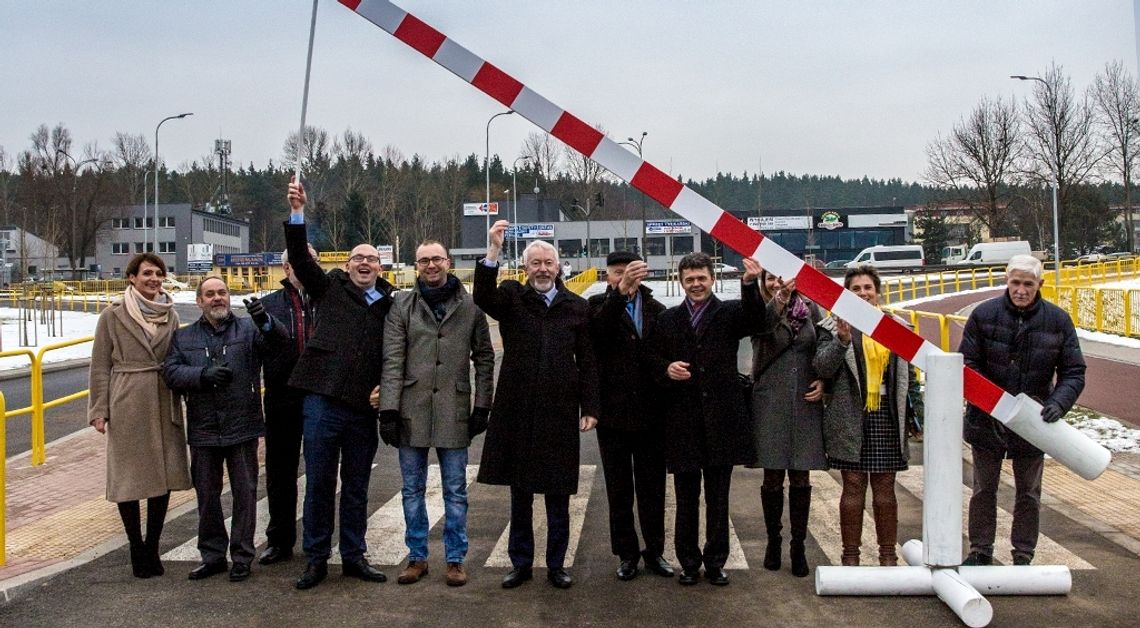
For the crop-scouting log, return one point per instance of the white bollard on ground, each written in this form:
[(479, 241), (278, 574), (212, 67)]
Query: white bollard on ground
[(999, 580), (969, 605), (1060, 440)]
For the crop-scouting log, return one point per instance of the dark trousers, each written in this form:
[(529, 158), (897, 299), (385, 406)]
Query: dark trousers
[(336, 433), (717, 481), (634, 465), (240, 462), (520, 545), (284, 425), (1027, 471)]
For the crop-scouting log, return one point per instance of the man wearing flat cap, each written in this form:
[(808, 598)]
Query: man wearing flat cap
[(632, 438)]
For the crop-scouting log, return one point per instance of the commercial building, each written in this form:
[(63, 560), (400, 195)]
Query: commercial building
[(824, 234), (187, 238)]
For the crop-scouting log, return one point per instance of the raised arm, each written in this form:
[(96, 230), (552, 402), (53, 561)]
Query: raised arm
[(307, 269)]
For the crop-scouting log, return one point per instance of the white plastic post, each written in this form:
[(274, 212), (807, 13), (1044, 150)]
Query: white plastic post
[(834, 580), (942, 462), (969, 605), (998, 580), (1060, 440)]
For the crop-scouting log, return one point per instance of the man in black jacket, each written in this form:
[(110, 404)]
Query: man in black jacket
[(631, 439), (338, 370), (214, 364), (284, 423), (1020, 342)]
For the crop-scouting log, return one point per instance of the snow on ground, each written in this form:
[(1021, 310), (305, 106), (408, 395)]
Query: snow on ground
[(1128, 284), (1111, 433)]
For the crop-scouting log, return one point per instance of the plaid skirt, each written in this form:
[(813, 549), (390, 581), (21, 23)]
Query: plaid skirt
[(881, 451)]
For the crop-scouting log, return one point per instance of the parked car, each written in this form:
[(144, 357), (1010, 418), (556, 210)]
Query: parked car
[(1091, 258), (171, 284), (839, 263), (904, 257), (1112, 257), (721, 268), (991, 253)]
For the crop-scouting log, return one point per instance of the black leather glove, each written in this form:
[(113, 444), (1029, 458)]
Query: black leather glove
[(390, 427), (217, 375), (256, 310), (1051, 412), (477, 422)]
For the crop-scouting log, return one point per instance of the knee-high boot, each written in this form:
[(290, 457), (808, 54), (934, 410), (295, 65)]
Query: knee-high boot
[(132, 525), (799, 505), (886, 509), (155, 518), (851, 516), (773, 505)]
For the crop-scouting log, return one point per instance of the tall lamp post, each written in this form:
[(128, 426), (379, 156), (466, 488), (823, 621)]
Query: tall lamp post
[(1056, 219), (156, 162), (487, 167), (515, 206), (636, 144)]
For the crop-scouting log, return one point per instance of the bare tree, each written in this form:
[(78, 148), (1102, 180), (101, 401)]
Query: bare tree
[(587, 177), (1117, 103), (315, 157), (1059, 137), (977, 161), (132, 158), (543, 153)]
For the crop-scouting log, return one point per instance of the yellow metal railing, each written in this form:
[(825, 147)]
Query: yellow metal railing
[(3, 480), (578, 283)]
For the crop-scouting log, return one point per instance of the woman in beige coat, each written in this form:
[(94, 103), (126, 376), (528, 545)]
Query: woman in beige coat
[(146, 446)]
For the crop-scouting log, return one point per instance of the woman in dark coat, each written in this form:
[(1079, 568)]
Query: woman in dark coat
[(873, 391), (787, 413)]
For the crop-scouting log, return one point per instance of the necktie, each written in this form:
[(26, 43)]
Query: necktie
[(631, 308)]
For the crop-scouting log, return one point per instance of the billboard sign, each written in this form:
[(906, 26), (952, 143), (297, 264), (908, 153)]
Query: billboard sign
[(778, 223), (530, 231), (480, 209), (199, 252), (668, 227)]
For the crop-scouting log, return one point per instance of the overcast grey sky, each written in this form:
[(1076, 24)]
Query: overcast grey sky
[(837, 88)]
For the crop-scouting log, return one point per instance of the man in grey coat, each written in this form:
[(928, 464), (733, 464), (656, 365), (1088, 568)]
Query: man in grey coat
[(431, 337)]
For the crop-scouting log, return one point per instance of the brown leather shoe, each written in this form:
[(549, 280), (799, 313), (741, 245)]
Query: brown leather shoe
[(456, 577), (414, 572)]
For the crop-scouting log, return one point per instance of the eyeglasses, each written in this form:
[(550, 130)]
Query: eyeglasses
[(371, 259), (437, 260)]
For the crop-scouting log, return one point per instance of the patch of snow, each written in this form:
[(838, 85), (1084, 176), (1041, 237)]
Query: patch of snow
[(1111, 433), (1110, 339)]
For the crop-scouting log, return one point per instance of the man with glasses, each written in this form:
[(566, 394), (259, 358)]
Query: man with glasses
[(432, 336), (547, 393), (338, 371)]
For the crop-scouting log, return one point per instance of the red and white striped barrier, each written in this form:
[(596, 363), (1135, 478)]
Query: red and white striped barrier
[(693, 207)]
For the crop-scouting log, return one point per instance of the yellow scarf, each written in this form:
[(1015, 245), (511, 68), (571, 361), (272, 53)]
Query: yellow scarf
[(875, 358)]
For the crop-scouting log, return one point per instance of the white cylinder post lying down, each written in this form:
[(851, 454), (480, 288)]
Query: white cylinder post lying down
[(835, 580), (969, 605), (942, 462), (1060, 440), (1006, 580)]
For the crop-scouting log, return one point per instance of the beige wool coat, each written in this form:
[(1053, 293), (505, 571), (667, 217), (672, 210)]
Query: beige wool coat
[(146, 443)]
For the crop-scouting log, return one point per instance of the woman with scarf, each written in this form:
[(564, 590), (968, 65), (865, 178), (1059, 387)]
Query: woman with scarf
[(130, 404), (872, 392), (787, 414)]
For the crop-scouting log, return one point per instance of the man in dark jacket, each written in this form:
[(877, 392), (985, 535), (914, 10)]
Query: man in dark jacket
[(284, 424), (1020, 342), (707, 425), (214, 363), (547, 393), (338, 370), (631, 439)]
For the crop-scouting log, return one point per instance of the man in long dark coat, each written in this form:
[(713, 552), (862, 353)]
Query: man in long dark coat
[(547, 393)]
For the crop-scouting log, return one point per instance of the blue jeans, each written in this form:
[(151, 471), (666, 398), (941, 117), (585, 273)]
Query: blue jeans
[(453, 473), (336, 433)]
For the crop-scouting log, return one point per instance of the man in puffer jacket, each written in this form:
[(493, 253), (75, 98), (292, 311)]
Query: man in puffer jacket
[(1021, 343)]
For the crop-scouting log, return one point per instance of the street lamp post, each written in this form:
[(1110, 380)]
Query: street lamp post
[(1056, 214), (487, 167), (636, 144), (515, 205), (156, 162)]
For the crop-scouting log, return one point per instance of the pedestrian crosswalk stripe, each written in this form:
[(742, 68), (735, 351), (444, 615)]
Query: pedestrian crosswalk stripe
[(823, 523), (578, 503), (736, 558), (1049, 552), (386, 527)]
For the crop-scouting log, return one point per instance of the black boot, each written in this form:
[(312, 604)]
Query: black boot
[(773, 505), (799, 504), (155, 518), (129, 513)]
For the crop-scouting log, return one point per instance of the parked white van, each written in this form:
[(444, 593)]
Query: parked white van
[(995, 252), (905, 256)]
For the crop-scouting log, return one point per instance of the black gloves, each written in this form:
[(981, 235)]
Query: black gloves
[(217, 375), (1051, 412), (256, 311), (390, 427), (477, 422)]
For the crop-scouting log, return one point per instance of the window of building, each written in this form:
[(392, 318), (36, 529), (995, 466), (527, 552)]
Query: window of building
[(138, 222), (682, 244), (165, 247), (570, 248), (654, 246), (120, 248), (599, 247), (213, 225), (139, 247), (166, 221), (120, 223), (625, 244)]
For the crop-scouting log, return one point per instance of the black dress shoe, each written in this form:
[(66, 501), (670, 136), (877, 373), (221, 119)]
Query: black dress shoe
[(559, 578), (314, 574), (205, 570), (239, 572), (716, 575), (360, 568), (274, 554), (659, 566), (627, 570), (517, 576), (689, 577)]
